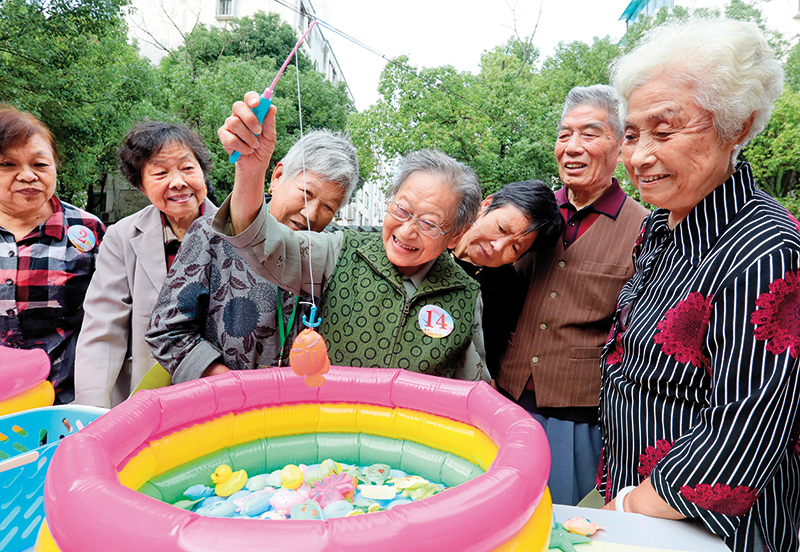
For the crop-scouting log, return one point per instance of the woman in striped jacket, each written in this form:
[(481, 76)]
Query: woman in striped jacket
[(700, 394)]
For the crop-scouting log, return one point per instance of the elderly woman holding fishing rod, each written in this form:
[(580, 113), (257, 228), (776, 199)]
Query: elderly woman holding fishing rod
[(214, 313), (395, 300)]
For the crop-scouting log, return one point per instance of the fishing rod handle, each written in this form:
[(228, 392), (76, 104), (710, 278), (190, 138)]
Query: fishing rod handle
[(260, 111)]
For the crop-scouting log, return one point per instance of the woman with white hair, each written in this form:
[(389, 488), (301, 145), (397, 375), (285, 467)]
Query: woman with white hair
[(214, 313), (389, 300), (700, 393)]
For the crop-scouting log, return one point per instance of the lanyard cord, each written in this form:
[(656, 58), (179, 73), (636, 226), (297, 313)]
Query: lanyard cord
[(283, 332)]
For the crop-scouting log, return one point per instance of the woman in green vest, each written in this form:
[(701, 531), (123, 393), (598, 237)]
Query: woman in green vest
[(394, 300)]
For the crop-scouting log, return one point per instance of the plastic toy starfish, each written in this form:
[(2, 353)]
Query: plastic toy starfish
[(563, 540)]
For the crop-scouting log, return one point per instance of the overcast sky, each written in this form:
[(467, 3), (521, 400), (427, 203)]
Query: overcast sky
[(453, 32)]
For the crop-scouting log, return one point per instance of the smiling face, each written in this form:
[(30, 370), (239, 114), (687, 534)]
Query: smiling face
[(670, 149), (426, 196), (174, 182), (295, 198), (587, 151), (27, 178), (498, 237)]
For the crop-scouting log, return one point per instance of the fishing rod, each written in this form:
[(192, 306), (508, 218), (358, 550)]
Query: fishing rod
[(261, 109)]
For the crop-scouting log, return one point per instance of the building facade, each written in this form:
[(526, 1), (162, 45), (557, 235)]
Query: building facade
[(780, 15), (159, 25)]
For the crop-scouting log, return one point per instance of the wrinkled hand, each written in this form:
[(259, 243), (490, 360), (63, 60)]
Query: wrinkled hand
[(239, 134), (214, 369), (239, 131)]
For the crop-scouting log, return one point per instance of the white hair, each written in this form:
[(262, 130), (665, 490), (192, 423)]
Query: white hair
[(601, 96), (329, 154), (728, 64), (461, 179)]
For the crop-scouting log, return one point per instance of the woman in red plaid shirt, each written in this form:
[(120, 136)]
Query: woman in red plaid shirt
[(47, 249)]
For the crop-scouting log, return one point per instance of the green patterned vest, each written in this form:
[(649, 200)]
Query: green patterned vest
[(368, 321)]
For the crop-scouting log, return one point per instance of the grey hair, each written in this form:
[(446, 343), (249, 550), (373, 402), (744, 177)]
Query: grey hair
[(461, 179), (329, 154), (601, 96), (728, 64)]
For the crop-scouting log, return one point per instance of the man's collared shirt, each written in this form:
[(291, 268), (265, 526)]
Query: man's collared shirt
[(578, 222)]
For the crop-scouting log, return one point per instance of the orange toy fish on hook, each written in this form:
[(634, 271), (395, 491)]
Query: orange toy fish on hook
[(309, 355)]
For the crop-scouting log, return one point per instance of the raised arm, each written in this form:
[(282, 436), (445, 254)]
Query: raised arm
[(239, 134)]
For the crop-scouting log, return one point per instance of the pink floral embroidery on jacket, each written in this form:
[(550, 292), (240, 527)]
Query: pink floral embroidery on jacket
[(683, 329), (639, 240), (777, 315), (652, 456), (615, 353), (793, 220), (721, 498)]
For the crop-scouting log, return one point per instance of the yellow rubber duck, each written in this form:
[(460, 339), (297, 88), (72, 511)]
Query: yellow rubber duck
[(227, 481)]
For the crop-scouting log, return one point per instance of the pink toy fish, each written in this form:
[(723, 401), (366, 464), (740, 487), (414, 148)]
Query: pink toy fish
[(582, 526), (309, 357)]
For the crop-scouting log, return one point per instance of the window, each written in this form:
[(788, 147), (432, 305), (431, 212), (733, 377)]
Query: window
[(225, 8)]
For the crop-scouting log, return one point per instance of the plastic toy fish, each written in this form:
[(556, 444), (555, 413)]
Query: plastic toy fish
[(328, 467), (423, 491), (378, 492), (284, 499), (582, 526), (408, 482), (337, 509), (198, 491), (218, 509), (256, 483), (309, 357), (256, 505), (310, 509), (376, 474), (227, 481)]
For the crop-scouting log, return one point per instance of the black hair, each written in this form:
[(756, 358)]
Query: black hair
[(538, 203), (147, 138)]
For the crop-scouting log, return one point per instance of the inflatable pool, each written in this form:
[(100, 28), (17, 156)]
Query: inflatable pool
[(96, 494), (23, 380)]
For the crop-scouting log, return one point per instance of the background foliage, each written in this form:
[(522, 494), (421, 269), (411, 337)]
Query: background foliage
[(70, 63)]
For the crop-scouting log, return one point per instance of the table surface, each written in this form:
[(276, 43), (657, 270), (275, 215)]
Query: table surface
[(640, 530)]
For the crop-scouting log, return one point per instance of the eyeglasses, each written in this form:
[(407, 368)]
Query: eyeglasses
[(425, 226)]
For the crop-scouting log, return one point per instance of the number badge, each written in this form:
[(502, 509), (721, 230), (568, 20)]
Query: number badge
[(81, 237), (435, 321)]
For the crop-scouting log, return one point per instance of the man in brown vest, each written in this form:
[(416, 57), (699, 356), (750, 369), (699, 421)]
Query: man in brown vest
[(552, 364)]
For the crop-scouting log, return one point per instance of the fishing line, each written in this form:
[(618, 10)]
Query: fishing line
[(305, 190), (435, 83)]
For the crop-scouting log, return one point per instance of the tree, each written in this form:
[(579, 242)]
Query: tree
[(70, 64), (502, 121), (775, 153), (199, 82), (792, 68)]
